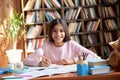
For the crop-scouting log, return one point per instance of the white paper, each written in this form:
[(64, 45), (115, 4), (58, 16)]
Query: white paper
[(48, 71)]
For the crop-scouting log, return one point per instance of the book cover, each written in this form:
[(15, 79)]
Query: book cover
[(56, 3), (37, 4), (97, 62), (66, 3), (99, 70), (29, 5)]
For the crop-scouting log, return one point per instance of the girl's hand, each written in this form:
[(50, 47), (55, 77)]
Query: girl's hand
[(45, 62), (66, 62)]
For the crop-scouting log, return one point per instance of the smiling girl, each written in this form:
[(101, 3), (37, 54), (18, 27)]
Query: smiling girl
[(59, 49)]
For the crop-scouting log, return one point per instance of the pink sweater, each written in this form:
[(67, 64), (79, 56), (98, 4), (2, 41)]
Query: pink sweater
[(69, 50)]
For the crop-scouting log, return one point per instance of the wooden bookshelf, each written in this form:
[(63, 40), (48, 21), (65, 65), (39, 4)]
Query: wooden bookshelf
[(92, 23)]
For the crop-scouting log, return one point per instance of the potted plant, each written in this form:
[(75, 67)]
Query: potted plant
[(14, 31)]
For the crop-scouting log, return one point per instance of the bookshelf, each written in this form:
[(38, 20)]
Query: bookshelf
[(92, 23)]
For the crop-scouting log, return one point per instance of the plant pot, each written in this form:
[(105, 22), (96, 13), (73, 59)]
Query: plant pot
[(14, 56)]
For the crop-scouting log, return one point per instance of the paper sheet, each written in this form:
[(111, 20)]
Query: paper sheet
[(48, 71)]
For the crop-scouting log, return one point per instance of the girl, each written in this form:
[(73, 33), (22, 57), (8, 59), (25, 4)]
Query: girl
[(59, 49)]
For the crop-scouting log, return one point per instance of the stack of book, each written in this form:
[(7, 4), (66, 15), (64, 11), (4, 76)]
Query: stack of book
[(98, 66)]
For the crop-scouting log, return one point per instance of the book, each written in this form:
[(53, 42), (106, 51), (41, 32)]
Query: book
[(78, 12), (37, 4), (29, 5), (47, 4), (70, 2), (97, 62), (56, 3), (99, 70), (48, 71), (66, 3)]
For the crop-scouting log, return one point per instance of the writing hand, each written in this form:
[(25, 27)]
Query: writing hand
[(66, 61), (45, 62)]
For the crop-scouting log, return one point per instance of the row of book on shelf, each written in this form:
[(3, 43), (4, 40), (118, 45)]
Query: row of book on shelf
[(38, 16), (36, 4), (87, 12), (75, 27), (90, 26), (91, 12), (34, 44), (93, 38), (110, 24), (108, 37), (34, 31), (108, 11)]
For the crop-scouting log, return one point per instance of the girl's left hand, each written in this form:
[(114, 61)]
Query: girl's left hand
[(66, 62)]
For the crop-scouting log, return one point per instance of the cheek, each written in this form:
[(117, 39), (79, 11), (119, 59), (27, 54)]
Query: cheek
[(53, 35), (63, 33)]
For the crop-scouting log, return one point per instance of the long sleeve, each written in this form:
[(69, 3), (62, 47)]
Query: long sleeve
[(69, 50), (77, 48), (33, 59)]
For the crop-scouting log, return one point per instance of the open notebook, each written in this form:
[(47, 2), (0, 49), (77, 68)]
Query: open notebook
[(48, 71)]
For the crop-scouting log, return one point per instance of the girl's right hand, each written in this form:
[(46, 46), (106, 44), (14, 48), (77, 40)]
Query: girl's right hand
[(45, 62)]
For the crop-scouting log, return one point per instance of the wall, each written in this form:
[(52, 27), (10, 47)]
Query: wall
[(6, 10), (7, 7)]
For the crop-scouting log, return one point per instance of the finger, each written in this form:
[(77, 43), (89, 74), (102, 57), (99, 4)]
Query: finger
[(47, 62), (44, 64), (62, 62), (65, 61)]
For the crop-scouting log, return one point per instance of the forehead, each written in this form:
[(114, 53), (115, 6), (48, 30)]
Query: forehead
[(58, 26)]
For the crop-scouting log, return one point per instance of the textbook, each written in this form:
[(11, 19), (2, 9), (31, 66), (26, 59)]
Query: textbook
[(99, 70), (48, 71), (97, 62)]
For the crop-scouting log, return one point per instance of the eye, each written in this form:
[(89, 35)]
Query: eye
[(62, 30)]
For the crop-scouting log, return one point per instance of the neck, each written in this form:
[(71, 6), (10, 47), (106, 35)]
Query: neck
[(59, 44)]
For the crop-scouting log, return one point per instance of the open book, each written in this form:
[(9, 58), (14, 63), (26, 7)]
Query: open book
[(48, 71)]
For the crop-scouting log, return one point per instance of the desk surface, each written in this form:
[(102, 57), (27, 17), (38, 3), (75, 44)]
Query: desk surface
[(73, 76)]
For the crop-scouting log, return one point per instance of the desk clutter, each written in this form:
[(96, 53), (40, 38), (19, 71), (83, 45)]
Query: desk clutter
[(90, 67), (15, 68), (98, 66)]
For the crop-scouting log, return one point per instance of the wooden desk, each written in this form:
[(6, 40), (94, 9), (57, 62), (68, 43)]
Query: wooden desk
[(73, 76)]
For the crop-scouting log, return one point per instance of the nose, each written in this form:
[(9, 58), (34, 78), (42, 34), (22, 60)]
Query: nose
[(58, 32)]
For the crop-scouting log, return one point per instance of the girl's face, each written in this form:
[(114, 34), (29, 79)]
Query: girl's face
[(58, 35)]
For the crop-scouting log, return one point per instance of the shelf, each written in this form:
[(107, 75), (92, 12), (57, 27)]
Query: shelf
[(93, 20)]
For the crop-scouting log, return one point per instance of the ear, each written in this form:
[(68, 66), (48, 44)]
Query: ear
[(111, 43)]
